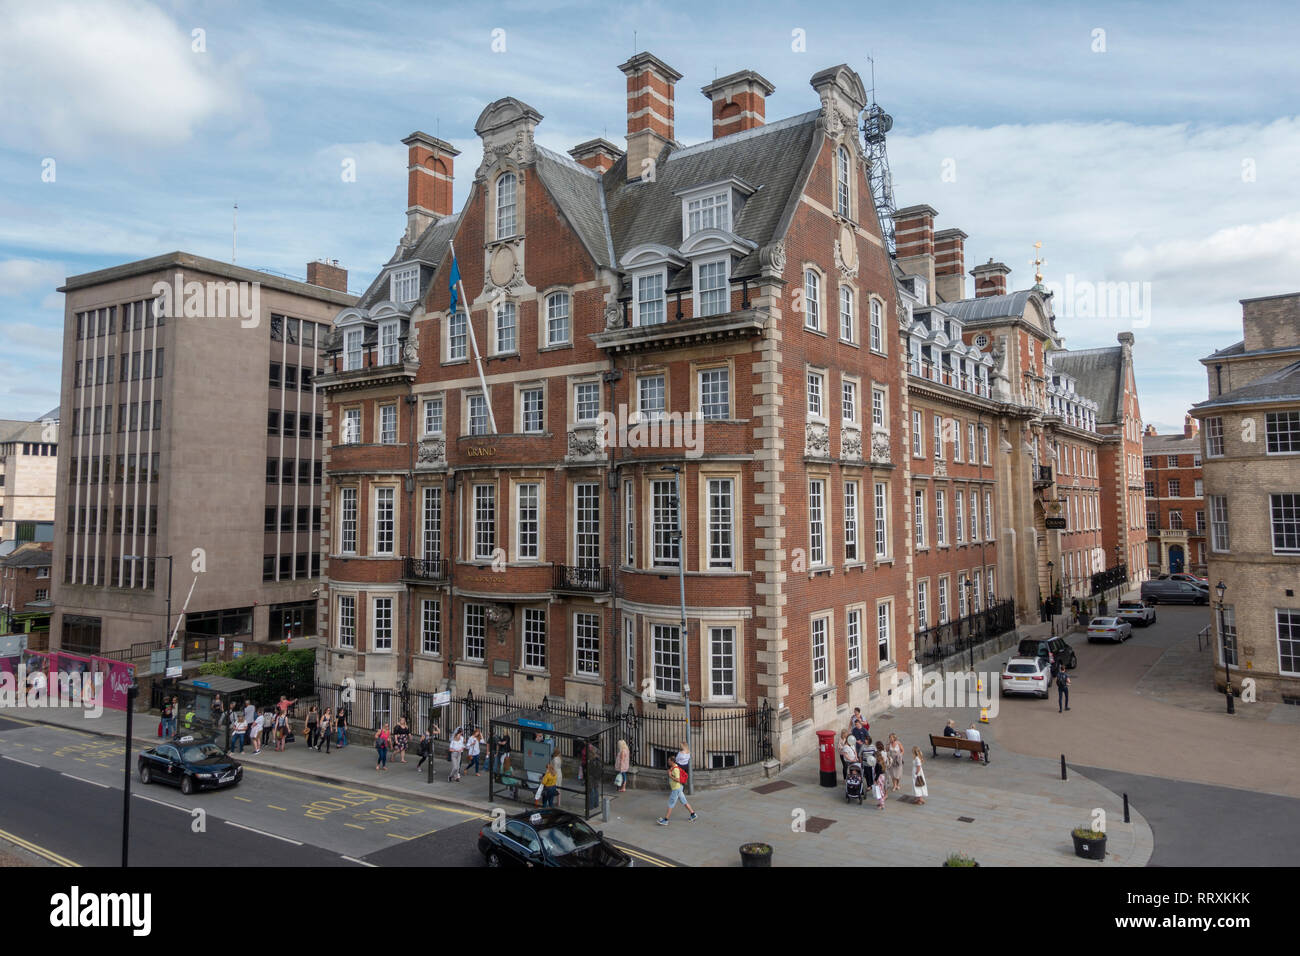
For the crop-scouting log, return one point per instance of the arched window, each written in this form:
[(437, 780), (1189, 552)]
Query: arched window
[(506, 205), (842, 191)]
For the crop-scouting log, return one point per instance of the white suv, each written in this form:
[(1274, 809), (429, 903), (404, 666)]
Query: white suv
[(1026, 675), (1136, 613)]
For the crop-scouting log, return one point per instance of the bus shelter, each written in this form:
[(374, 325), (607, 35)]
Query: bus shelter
[(197, 699), (538, 738)]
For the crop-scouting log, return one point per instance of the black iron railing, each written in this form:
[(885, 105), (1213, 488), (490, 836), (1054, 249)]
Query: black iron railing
[(953, 637), (1110, 578), (424, 569), (567, 577)]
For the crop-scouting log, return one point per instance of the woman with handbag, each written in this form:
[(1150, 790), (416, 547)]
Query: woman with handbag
[(919, 789), (895, 751), (622, 764), (313, 721), (325, 734)]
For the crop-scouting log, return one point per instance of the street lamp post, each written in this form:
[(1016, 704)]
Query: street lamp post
[(132, 692), (970, 633), (1119, 584), (680, 537), (1223, 643), (1051, 600)]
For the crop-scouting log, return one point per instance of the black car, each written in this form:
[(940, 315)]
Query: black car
[(190, 763), (1061, 652), (548, 837)]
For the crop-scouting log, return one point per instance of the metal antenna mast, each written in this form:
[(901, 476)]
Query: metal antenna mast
[(875, 124)]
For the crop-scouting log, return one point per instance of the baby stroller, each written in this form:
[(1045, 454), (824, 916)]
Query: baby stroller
[(853, 783)]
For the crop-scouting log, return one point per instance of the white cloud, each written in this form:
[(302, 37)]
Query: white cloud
[(19, 277), (74, 74)]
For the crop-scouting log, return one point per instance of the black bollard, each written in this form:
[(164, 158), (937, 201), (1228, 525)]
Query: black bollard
[(1063, 777), (1126, 820)]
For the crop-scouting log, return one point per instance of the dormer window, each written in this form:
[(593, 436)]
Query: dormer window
[(404, 284), (506, 206), (842, 191), (352, 349), (708, 212), (651, 307), (711, 291), (388, 342)]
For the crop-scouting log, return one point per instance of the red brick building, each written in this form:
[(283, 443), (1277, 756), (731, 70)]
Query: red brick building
[(1175, 500)]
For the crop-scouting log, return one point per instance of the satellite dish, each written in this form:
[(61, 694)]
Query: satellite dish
[(886, 122)]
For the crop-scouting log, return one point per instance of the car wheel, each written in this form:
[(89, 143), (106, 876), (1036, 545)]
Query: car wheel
[(145, 775), (1074, 660), (493, 858), (187, 785)]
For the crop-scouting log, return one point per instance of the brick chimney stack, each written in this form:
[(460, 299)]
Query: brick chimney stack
[(914, 239), (1149, 431), (739, 101), (949, 265), (650, 85), (990, 279), (328, 275), (1190, 426), (598, 154), (429, 178)]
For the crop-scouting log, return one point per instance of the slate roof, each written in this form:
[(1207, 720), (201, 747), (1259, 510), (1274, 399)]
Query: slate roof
[(29, 555), (1238, 349), (1279, 385), (429, 248), (773, 159), (990, 306), (578, 192), (1098, 374), (1171, 444), (19, 431)]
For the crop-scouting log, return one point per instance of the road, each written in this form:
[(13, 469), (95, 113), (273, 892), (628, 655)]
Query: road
[(271, 818)]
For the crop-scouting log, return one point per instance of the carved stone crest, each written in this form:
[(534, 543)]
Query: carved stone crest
[(880, 447), (613, 317), (778, 256), (432, 451), (411, 352), (500, 616), (585, 443), (940, 468), (817, 440), (851, 444)]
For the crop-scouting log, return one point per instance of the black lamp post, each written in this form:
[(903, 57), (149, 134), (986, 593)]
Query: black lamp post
[(1223, 643), (1051, 598), (970, 606), (1120, 580), (679, 536), (132, 692)]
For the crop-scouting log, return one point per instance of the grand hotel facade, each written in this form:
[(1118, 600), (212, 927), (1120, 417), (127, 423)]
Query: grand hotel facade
[(863, 452)]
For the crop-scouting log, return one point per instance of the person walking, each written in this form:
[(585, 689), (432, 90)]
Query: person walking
[(255, 732), (474, 748), (454, 750), (239, 733), (342, 721), (326, 730), (676, 793), (425, 750), (622, 764), (401, 737), (382, 740), (281, 733), (1062, 690), (880, 784), (859, 726), (313, 722), (165, 726), (920, 790), (895, 762)]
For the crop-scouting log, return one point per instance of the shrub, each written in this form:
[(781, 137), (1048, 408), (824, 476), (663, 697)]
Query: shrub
[(959, 859), (1086, 832), (282, 672)]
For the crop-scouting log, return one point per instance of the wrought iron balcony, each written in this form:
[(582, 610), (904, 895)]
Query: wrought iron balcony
[(1042, 475), (428, 569), (593, 580)]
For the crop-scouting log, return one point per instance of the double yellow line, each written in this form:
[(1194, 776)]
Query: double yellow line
[(38, 850)]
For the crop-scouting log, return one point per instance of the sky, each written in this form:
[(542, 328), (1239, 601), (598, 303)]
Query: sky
[(1151, 148)]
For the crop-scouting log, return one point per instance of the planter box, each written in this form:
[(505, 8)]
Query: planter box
[(1089, 849), (755, 854)]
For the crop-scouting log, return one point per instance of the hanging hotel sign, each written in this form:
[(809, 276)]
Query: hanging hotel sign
[(1055, 524)]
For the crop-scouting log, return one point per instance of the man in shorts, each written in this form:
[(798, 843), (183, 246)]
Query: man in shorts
[(676, 794)]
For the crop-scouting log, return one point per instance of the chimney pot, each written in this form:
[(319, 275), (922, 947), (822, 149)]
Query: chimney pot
[(990, 279), (739, 101), (598, 154)]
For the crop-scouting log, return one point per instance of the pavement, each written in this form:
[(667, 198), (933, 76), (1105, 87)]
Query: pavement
[(1141, 724)]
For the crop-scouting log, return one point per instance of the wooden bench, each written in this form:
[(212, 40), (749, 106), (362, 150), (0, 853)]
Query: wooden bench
[(980, 747)]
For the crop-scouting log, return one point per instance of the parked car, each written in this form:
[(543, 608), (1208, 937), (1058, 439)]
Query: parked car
[(1026, 675), (548, 837), (1174, 592), (1136, 613), (190, 763), (1041, 647), (1110, 629), (1184, 576)]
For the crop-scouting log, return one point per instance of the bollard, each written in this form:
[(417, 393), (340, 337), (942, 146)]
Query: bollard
[(604, 810), (1126, 820), (1063, 777)]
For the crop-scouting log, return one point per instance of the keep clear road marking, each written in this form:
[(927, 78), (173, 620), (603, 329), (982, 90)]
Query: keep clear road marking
[(273, 836), (84, 780), (352, 859), (38, 850), (360, 789), (23, 762)]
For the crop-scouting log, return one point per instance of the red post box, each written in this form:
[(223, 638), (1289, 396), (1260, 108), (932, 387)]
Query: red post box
[(826, 751)]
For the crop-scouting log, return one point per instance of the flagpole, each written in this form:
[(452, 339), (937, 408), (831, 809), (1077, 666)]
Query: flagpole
[(478, 359)]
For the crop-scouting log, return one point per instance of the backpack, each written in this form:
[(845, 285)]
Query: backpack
[(1061, 682), (683, 775)]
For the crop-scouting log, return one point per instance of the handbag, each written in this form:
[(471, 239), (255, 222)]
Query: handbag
[(619, 778), (919, 781), (160, 723)]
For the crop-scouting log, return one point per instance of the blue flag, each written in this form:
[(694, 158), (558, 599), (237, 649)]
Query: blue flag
[(453, 280)]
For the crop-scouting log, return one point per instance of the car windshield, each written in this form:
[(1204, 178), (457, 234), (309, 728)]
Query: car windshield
[(201, 752), (1130, 606), (567, 836)]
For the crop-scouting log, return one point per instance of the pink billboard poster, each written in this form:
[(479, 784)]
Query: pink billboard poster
[(117, 678), (68, 664), (9, 665)]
